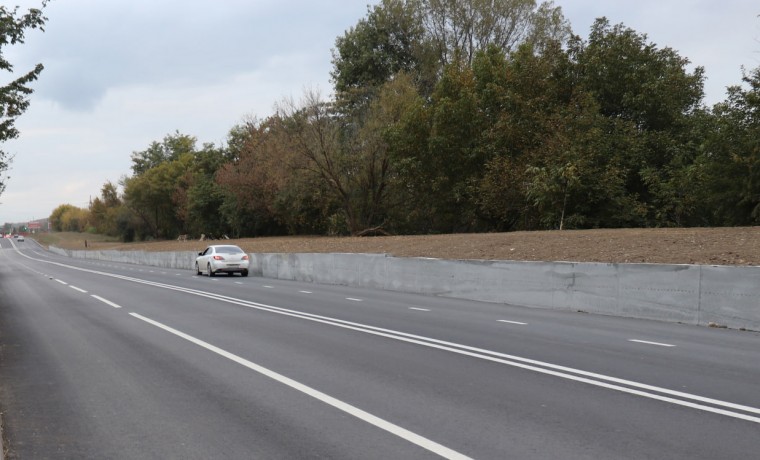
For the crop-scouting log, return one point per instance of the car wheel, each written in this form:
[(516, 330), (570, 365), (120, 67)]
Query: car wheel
[(197, 269), (210, 272), (244, 273)]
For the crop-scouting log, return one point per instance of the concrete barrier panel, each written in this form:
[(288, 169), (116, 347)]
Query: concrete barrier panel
[(658, 291), (730, 296), (588, 287)]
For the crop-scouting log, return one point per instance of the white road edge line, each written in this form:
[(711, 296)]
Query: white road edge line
[(354, 299), (419, 309), (78, 289), (512, 322), (403, 433), (107, 302), (651, 343)]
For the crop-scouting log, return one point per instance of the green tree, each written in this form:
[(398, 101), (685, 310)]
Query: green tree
[(388, 41), (547, 162), (649, 97), (729, 165), (14, 96), (104, 210), (171, 148), (199, 197), (152, 196)]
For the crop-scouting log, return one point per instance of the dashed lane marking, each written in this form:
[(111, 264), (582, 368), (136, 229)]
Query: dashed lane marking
[(651, 343)]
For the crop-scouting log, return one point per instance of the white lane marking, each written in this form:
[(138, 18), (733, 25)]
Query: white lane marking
[(651, 343), (77, 289), (419, 309), (403, 433), (238, 282), (268, 287), (352, 299), (305, 292), (62, 282), (512, 322), (107, 302)]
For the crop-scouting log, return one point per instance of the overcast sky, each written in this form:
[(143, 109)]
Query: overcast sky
[(120, 74)]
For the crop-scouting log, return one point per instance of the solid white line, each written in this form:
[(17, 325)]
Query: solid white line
[(62, 282), (108, 302), (77, 289), (353, 299), (652, 343), (419, 309), (403, 433), (512, 322)]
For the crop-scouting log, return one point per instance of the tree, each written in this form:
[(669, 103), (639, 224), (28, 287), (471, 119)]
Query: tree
[(69, 218), (14, 96), (105, 209), (459, 30), (729, 165), (254, 183), (422, 37), (649, 97), (171, 148), (388, 41), (152, 197)]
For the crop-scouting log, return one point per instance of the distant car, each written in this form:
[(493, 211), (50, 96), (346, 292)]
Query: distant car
[(222, 258), (21, 238)]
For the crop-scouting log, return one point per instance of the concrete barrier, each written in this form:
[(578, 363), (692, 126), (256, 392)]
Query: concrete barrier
[(690, 294)]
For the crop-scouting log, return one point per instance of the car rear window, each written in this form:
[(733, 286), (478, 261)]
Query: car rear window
[(229, 250)]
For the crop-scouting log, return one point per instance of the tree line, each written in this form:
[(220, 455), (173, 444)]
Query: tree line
[(453, 116)]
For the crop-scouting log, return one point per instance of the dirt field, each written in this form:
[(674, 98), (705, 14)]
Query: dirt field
[(708, 246)]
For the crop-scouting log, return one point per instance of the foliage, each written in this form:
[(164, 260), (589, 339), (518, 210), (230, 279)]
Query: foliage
[(69, 218), (14, 96), (730, 162)]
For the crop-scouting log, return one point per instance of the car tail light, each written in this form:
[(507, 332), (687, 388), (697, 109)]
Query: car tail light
[(244, 257), (218, 258)]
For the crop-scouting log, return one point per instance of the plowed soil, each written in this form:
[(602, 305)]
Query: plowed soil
[(706, 246)]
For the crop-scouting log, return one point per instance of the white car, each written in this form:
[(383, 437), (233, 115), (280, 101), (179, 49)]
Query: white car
[(222, 258), (20, 238)]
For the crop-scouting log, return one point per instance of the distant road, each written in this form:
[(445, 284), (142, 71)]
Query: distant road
[(106, 360)]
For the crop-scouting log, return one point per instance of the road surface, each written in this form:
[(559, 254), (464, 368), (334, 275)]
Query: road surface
[(106, 360)]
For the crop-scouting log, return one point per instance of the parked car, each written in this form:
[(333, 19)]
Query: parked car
[(222, 258)]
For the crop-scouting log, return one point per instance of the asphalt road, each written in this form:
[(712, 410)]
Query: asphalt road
[(104, 360)]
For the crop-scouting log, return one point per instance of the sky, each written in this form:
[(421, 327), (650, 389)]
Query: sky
[(121, 74)]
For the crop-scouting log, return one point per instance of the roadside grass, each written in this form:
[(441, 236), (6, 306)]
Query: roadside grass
[(71, 240)]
